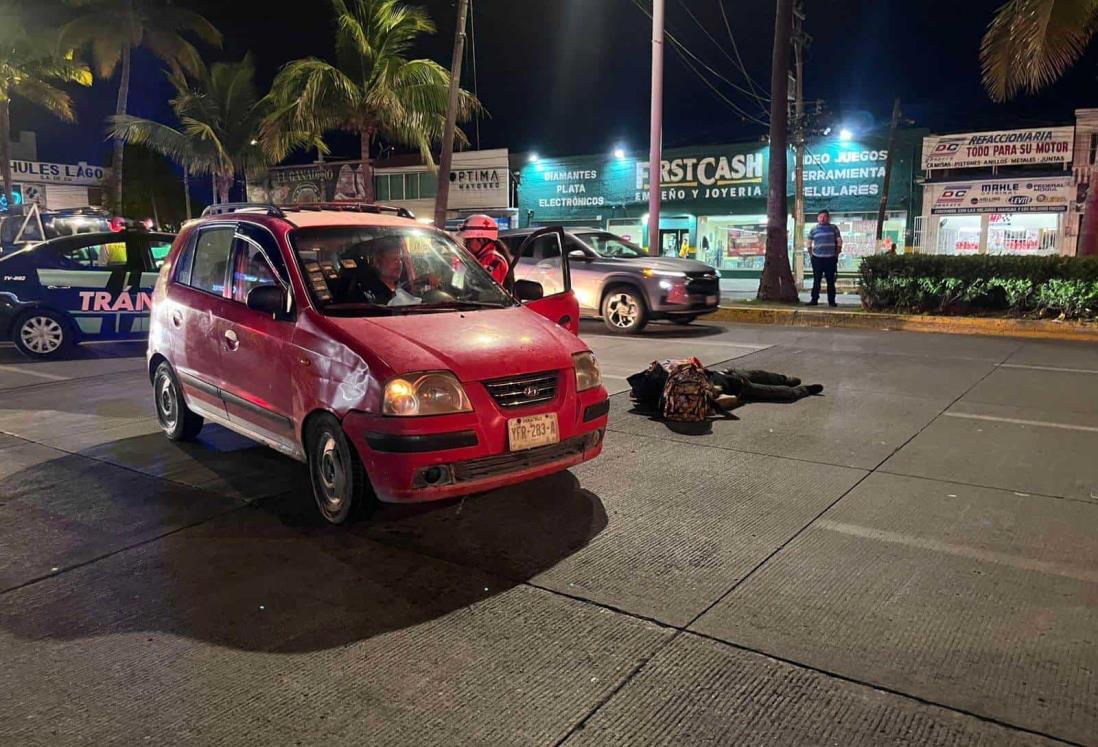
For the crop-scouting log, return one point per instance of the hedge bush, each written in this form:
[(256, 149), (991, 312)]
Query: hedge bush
[(1064, 287)]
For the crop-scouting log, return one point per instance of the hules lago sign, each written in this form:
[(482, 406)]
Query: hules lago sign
[(58, 173)]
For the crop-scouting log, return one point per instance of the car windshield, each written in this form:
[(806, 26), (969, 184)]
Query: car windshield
[(609, 245), (370, 270)]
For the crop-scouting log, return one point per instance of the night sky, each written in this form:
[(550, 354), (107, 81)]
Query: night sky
[(571, 76)]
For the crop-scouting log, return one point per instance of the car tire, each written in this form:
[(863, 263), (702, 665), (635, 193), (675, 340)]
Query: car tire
[(683, 320), (340, 485), (624, 311), (41, 333), (177, 420)]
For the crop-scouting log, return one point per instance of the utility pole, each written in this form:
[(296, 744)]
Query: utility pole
[(442, 197), (888, 171), (800, 41), (655, 144), (777, 279)]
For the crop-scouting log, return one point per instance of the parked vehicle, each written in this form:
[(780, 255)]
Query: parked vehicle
[(616, 280), (373, 348), (81, 287)]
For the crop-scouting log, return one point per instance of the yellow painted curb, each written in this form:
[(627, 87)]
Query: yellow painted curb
[(952, 325)]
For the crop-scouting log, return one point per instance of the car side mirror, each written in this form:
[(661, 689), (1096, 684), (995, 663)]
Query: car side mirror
[(580, 255), (528, 290), (269, 299)]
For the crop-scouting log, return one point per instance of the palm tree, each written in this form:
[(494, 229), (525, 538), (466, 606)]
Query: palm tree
[(219, 120), (1028, 46), (1031, 43), (372, 89), (29, 68), (114, 28)]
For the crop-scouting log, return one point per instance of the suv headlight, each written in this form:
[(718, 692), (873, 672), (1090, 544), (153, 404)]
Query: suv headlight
[(436, 393), (588, 375)]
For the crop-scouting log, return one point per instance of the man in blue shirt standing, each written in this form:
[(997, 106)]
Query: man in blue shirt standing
[(825, 243)]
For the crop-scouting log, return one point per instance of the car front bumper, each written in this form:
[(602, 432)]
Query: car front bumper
[(412, 460)]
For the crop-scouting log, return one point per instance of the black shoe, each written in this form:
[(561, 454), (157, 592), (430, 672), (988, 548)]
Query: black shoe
[(793, 381), (832, 304), (813, 303), (814, 388)]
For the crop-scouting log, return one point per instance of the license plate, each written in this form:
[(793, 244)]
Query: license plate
[(532, 431), (710, 300)]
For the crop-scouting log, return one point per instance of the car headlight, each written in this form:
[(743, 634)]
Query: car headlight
[(437, 393), (588, 375), (652, 272)]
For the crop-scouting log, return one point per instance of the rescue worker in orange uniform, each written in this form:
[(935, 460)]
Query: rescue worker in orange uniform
[(481, 237)]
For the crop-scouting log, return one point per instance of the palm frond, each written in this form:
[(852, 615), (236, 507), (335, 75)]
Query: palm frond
[(50, 98), (1031, 43)]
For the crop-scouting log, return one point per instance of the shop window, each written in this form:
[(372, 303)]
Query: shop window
[(1023, 233), (428, 185), (381, 188), (396, 186), (411, 186), (959, 234)]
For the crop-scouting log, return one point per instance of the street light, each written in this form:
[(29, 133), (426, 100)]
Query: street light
[(619, 153), (845, 134), (533, 158)]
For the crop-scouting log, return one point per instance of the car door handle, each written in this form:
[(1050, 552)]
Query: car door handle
[(58, 287), (177, 317), (231, 341)]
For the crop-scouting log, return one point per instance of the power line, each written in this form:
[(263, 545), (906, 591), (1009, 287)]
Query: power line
[(753, 93), (687, 55), (736, 48)]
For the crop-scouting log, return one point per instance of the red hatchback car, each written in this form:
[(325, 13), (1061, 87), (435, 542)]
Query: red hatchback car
[(372, 347)]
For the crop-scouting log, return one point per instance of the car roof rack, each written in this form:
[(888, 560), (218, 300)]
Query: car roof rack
[(244, 207), (352, 207)]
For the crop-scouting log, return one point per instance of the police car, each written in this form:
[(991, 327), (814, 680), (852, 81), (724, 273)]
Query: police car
[(60, 291)]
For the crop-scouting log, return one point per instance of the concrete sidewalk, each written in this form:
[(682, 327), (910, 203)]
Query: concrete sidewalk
[(909, 559)]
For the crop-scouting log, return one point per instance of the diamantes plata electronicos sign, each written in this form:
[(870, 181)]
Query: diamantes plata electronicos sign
[(1051, 145)]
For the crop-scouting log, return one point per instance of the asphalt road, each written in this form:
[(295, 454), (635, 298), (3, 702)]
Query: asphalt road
[(910, 559)]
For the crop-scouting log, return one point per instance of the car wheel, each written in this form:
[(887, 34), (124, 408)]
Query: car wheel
[(42, 333), (339, 479), (176, 419), (624, 310), (684, 320)]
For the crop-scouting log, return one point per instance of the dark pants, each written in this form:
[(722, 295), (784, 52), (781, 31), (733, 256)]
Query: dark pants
[(759, 386), (824, 267)]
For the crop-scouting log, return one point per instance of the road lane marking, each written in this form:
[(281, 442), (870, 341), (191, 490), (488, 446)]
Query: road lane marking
[(962, 551), (30, 372), (1020, 421), (683, 340), (1049, 368)]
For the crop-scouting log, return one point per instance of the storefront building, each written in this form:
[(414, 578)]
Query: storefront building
[(1001, 192), (714, 197), (480, 182)]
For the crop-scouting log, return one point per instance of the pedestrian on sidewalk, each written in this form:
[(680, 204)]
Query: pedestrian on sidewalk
[(825, 243)]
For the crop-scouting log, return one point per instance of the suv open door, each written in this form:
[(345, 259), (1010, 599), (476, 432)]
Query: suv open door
[(543, 255)]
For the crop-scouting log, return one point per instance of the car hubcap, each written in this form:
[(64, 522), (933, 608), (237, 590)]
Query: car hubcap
[(332, 470), (41, 334), (165, 402), (622, 310)]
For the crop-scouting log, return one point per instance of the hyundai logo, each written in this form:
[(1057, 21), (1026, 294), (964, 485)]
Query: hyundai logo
[(530, 392)]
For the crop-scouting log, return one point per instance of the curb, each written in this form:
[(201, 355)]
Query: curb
[(996, 327)]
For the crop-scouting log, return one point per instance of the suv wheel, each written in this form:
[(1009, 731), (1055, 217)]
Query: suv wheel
[(339, 479), (624, 310), (176, 419), (42, 333)]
